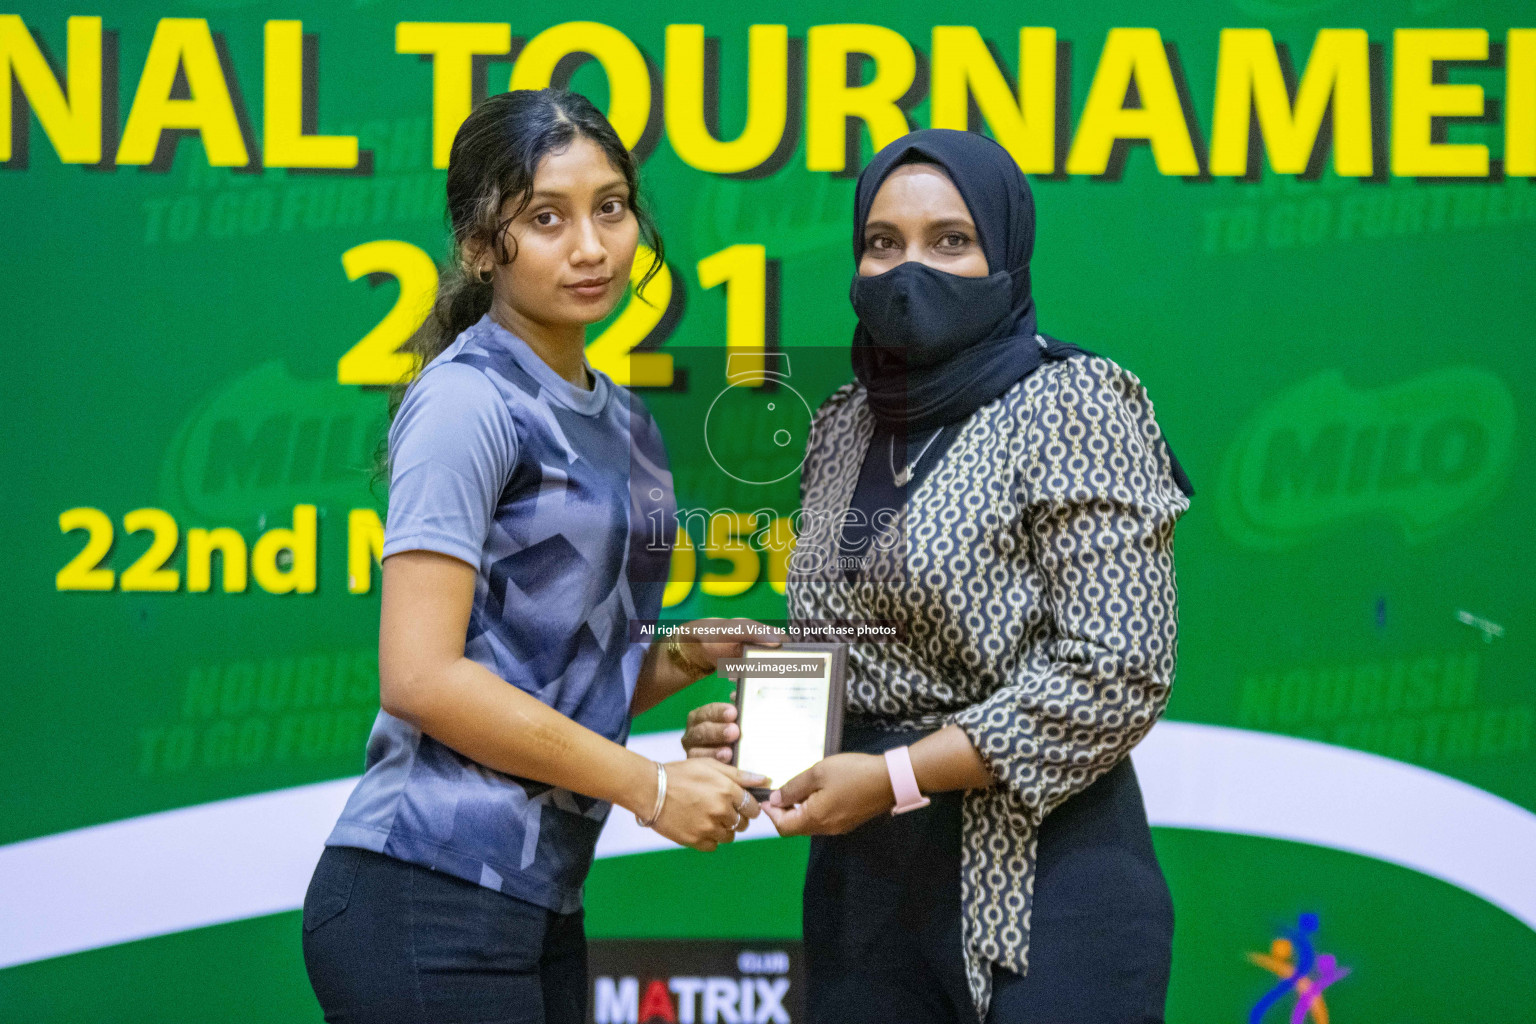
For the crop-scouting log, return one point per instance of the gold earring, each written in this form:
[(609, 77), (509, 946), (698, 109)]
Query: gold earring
[(485, 274)]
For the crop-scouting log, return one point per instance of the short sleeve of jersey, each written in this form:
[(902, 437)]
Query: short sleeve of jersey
[(452, 447)]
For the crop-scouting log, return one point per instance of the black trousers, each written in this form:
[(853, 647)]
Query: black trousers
[(882, 915), (391, 942)]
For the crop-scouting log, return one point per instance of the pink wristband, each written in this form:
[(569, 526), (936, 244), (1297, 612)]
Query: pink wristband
[(898, 763)]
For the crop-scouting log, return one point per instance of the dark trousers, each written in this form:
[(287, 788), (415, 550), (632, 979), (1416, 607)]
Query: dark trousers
[(882, 916), (391, 942)]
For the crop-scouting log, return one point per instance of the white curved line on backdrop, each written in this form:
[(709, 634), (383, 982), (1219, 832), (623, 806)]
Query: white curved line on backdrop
[(249, 856)]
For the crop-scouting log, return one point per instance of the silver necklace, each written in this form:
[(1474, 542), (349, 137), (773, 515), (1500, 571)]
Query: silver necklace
[(905, 474)]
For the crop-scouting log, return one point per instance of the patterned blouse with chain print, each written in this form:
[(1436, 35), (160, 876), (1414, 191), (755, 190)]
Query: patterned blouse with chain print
[(1032, 573)]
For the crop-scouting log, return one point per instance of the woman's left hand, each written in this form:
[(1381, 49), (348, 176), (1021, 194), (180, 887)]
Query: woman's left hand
[(834, 796)]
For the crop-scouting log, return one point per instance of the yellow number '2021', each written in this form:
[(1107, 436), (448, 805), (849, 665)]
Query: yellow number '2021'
[(624, 351)]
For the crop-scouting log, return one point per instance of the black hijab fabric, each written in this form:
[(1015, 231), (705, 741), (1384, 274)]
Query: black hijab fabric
[(984, 350), (910, 390)]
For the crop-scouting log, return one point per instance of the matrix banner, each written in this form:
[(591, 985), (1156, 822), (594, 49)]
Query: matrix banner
[(1309, 226), (707, 982)]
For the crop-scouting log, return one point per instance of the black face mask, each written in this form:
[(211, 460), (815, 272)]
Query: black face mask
[(931, 348), (926, 315)]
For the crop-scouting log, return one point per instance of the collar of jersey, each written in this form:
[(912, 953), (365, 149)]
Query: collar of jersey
[(588, 403)]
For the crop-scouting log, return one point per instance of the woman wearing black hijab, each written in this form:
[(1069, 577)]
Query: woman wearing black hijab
[(1010, 502)]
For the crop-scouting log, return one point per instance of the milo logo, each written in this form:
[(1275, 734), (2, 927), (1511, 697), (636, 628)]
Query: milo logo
[(1322, 454), (266, 440)]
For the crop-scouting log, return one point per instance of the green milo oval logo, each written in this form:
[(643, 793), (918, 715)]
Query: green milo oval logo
[(1323, 454)]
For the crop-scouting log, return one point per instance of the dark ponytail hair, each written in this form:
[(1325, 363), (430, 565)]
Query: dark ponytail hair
[(494, 157)]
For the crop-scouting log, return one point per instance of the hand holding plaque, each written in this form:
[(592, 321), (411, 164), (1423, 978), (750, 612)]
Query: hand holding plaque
[(789, 707)]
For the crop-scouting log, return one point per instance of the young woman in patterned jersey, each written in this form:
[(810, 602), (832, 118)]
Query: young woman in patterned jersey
[(524, 485)]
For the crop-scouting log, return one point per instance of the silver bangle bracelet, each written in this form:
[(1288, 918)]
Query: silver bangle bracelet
[(661, 797)]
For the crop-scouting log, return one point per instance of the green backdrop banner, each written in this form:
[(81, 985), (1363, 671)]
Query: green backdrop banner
[(1309, 226)]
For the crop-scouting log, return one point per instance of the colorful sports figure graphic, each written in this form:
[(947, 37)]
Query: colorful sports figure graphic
[(1293, 959)]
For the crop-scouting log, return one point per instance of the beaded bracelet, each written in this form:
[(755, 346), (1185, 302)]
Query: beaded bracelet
[(679, 658)]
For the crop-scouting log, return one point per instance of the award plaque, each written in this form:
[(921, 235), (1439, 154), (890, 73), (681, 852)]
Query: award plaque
[(790, 710)]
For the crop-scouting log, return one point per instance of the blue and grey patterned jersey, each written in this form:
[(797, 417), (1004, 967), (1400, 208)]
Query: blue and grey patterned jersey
[(562, 500)]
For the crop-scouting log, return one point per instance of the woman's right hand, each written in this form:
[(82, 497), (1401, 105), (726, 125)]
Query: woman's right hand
[(705, 803), (711, 730)]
